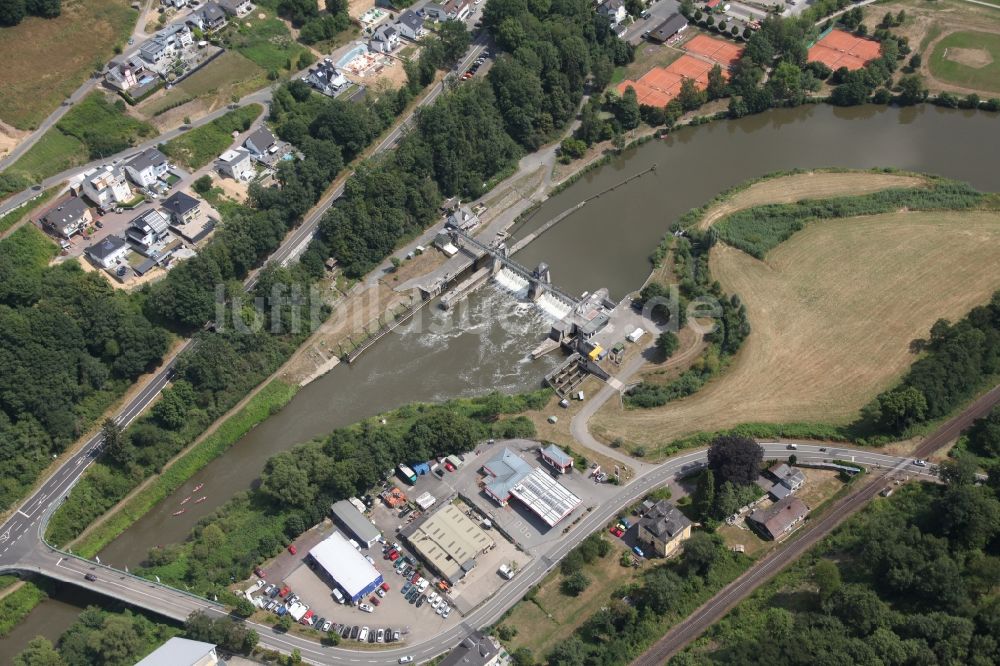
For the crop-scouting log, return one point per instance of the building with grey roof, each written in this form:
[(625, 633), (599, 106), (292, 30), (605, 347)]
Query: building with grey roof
[(68, 217), (147, 167), (354, 522), (448, 541), (662, 529), (181, 207), (557, 458), (780, 518), (259, 141), (674, 24), (182, 652), (477, 649), (410, 25), (108, 251)]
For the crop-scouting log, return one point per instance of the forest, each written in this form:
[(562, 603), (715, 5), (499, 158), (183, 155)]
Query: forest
[(70, 344)]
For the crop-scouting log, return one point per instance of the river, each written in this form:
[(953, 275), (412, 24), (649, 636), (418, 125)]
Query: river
[(605, 244)]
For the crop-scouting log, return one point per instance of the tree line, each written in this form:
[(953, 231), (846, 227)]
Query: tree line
[(732, 326), (298, 486), (959, 359), (13, 12)]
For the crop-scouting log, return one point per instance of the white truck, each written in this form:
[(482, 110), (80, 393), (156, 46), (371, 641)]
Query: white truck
[(297, 611), (505, 571)]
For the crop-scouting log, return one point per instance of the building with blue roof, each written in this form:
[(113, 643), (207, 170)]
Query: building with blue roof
[(514, 477), (557, 458)]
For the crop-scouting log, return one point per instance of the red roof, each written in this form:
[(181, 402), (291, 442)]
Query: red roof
[(711, 4)]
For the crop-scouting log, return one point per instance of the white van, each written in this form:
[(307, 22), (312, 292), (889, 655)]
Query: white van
[(338, 595)]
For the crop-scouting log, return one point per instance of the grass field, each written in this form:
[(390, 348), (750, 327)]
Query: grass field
[(552, 616), (266, 42), (968, 59), (200, 146), (92, 128), (833, 311), (44, 60), (223, 77)]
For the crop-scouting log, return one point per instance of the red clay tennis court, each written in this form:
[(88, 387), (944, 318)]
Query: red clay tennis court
[(724, 53), (661, 84), (842, 49)]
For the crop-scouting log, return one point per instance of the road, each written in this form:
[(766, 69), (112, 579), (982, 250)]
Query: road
[(139, 35), (713, 610), (32, 554)]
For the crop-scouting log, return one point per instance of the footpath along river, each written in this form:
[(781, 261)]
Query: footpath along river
[(605, 244)]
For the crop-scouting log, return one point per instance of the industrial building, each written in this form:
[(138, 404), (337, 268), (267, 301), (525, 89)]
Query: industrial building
[(347, 517), (532, 486), (182, 652), (448, 541), (346, 566)]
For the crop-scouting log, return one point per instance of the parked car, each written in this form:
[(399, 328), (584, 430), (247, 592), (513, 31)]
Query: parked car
[(355, 631), (345, 632), (380, 636), (375, 600), (385, 586), (371, 636), (412, 596), (920, 463), (388, 635), (446, 612), (421, 600), (443, 608), (395, 635), (281, 610), (380, 592), (292, 550), (363, 635), (393, 555), (406, 588), (366, 608)]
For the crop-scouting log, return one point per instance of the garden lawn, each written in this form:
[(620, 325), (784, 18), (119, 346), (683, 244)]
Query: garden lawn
[(968, 59), (267, 41), (45, 60)]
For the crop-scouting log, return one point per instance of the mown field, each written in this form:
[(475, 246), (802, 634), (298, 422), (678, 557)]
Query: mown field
[(968, 59), (44, 60), (833, 312)]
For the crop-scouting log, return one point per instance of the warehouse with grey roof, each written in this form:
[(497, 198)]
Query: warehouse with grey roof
[(346, 516)]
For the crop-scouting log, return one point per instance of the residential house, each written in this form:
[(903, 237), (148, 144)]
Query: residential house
[(384, 40), (662, 529), (127, 75), (780, 518), (182, 652), (176, 4), (457, 10), (68, 218), (410, 26), (107, 187), (146, 230), (260, 141), (463, 218), (476, 650), (182, 208), (236, 7), (790, 477), (109, 251), (147, 167), (166, 44), (236, 164), (325, 78), (613, 10), (211, 18), (675, 24)]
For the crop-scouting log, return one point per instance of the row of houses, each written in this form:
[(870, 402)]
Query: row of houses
[(136, 74), (109, 185)]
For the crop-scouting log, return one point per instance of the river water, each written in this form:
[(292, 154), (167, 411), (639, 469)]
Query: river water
[(605, 244)]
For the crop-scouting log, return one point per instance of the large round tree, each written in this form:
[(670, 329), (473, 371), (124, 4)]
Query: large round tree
[(735, 458)]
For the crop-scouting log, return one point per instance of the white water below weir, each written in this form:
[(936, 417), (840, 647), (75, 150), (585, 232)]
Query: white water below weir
[(512, 281)]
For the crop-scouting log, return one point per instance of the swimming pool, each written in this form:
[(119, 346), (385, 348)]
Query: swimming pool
[(360, 49)]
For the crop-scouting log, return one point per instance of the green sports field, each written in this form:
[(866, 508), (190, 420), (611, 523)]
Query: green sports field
[(968, 59)]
